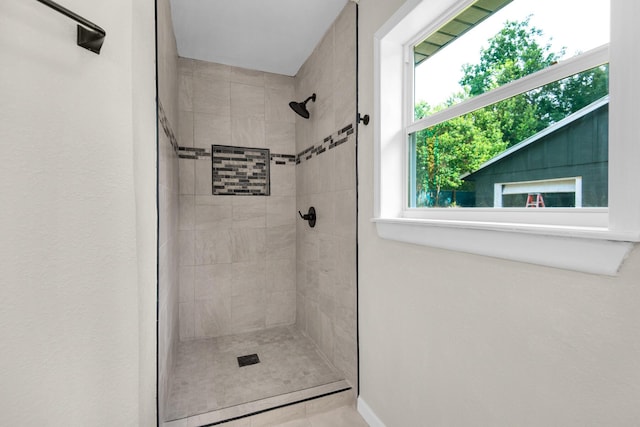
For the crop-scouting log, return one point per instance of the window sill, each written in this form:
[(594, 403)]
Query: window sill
[(586, 249)]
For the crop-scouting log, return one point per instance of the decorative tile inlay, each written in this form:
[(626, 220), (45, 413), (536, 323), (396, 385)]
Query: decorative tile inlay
[(340, 137), (240, 171), (193, 153), (166, 127), (283, 159)]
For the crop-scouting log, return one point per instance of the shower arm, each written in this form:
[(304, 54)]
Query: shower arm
[(90, 36)]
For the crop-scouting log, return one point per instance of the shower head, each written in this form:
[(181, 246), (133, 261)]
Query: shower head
[(301, 107)]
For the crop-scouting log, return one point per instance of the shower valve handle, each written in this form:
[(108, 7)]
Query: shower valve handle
[(310, 216)]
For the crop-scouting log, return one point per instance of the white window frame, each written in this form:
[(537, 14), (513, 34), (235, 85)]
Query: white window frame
[(589, 240)]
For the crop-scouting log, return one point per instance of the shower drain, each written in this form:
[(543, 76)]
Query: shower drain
[(249, 359)]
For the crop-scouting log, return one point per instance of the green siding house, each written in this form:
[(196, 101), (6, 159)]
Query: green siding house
[(566, 164)]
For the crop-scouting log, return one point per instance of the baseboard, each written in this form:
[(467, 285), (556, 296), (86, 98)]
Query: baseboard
[(367, 413)]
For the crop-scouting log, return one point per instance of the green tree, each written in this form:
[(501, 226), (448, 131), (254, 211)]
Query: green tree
[(514, 52), (446, 151)]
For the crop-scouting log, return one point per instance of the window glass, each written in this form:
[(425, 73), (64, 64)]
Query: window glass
[(553, 132), (493, 42)]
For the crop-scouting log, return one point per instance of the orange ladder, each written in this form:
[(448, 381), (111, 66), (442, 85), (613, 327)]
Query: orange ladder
[(535, 200)]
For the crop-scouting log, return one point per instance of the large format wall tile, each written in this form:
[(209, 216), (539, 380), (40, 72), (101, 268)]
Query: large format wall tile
[(212, 246), (326, 179), (238, 267)]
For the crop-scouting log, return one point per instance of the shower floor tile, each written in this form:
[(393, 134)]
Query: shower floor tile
[(207, 377)]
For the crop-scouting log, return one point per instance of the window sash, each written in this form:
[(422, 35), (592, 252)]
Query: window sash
[(563, 69)]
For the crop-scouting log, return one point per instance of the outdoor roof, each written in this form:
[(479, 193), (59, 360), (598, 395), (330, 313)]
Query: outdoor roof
[(544, 132), (469, 18)]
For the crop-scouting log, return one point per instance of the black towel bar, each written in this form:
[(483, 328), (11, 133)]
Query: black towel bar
[(90, 36)]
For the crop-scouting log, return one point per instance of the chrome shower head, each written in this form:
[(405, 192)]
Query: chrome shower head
[(301, 107)]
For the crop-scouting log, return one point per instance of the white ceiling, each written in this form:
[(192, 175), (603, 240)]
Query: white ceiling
[(267, 35)]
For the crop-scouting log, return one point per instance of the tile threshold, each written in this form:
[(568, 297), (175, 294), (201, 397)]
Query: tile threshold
[(253, 408)]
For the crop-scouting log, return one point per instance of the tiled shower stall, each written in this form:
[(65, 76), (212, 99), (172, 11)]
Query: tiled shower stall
[(235, 258)]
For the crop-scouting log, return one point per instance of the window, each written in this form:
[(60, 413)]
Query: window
[(451, 139), (417, 181)]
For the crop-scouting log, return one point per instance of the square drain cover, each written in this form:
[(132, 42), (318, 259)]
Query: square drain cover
[(249, 359)]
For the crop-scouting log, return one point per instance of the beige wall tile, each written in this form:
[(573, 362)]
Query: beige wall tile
[(280, 137), (281, 210), (326, 335), (283, 180), (212, 281), (214, 200), (301, 312), (185, 93), (211, 96), (187, 283), (326, 170), (212, 247), (281, 275), (248, 244), (248, 312), (249, 211), (325, 205), (277, 105), (187, 320), (281, 242), (186, 212), (213, 217), (203, 177), (211, 129), (247, 132), (248, 278), (185, 128), (247, 101), (206, 322), (345, 213), (185, 66), (186, 247), (248, 77), (187, 176), (211, 70), (280, 308), (314, 328), (278, 81), (345, 166)]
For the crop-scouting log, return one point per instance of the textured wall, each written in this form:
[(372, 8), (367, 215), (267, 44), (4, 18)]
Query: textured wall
[(451, 339), (325, 179), (76, 258), (237, 254)]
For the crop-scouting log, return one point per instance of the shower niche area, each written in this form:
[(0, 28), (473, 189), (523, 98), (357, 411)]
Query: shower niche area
[(257, 309)]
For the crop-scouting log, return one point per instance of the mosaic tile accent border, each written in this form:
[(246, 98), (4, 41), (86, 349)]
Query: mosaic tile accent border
[(203, 153), (240, 171), (193, 153), (283, 159), (166, 127), (340, 137)]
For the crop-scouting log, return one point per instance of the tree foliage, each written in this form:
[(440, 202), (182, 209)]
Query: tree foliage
[(458, 146)]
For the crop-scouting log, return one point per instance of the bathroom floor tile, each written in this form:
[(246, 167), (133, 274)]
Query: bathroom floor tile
[(207, 376)]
